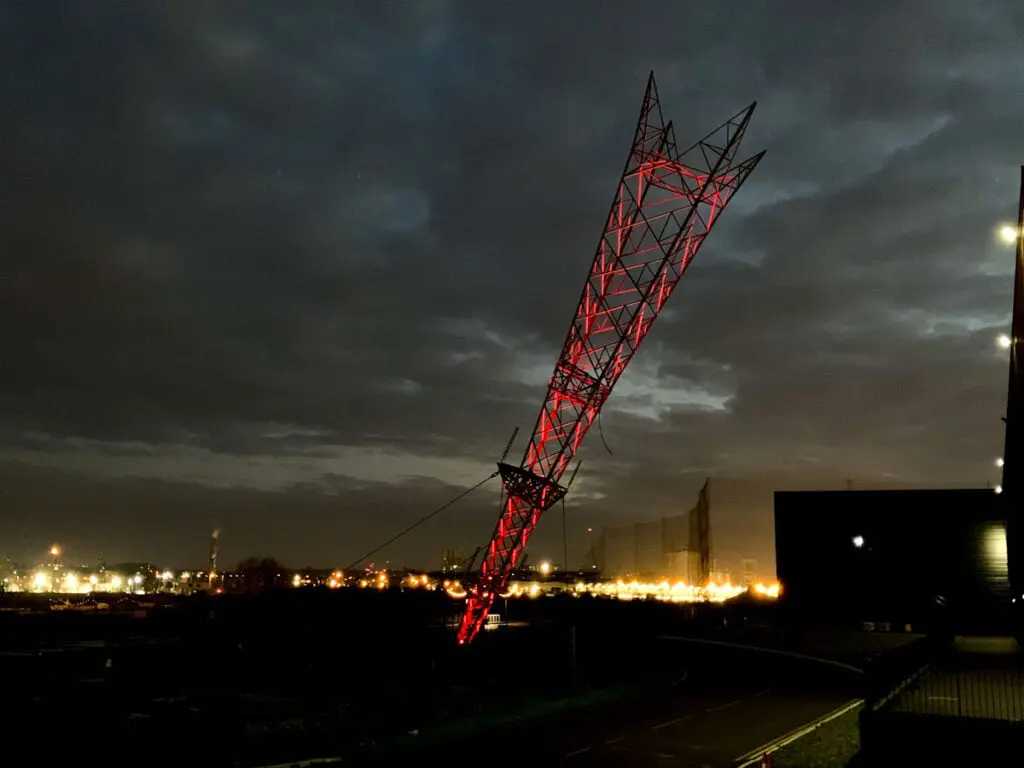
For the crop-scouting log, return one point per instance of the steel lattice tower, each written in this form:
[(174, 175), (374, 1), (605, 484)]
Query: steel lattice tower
[(665, 205)]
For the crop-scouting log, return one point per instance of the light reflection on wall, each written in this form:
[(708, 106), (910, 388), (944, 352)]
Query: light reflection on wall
[(994, 555)]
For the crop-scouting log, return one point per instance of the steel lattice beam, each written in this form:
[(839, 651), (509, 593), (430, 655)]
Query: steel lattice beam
[(664, 207)]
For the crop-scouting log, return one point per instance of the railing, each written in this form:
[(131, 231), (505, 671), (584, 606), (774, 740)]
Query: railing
[(889, 675), (950, 679), (940, 702), (981, 690)]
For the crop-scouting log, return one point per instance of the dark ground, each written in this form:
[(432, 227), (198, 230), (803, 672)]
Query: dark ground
[(258, 680), (699, 723), (834, 745)]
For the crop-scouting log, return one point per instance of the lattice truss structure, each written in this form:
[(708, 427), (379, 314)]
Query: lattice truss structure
[(665, 205)]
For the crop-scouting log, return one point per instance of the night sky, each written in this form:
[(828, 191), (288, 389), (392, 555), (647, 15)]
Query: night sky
[(297, 269)]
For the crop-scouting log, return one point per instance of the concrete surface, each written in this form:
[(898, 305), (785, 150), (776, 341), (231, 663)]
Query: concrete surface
[(681, 727)]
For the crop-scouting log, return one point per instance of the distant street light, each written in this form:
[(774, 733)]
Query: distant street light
[(545, 568), (858, 541), (1009, 234)]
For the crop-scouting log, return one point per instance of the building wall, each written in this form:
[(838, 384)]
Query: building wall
[(927, 556)]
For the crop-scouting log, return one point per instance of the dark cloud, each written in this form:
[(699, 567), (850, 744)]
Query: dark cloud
[(249, 251)]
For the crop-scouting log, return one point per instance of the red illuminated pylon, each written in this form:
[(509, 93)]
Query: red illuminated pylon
[(666, 203)]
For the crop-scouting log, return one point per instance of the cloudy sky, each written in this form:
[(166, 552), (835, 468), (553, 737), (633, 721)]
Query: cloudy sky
[(297, 269)]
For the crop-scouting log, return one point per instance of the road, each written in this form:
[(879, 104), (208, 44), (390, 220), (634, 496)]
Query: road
[(680, 727)]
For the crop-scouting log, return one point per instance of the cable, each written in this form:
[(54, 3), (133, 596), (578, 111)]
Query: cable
[(565, 545), (421, 521), (600, 431)]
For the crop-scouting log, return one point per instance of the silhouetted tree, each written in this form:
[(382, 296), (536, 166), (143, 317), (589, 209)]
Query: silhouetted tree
[(260, 573)]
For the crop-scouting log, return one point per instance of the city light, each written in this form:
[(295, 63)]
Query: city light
[(455, 590), (678, 592), (1004, 341), (54, 551), (1009, 234), (52, 577), (858, 541), (414, 581), (665, 591), (769, 590)]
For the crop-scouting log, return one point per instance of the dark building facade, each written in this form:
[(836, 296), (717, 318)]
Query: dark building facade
[(1013, 451), (920, 557)]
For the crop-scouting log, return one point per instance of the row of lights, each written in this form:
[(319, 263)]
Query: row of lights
[(1010, 235)]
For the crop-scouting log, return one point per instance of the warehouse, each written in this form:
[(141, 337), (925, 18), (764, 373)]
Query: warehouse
[(928, 558)]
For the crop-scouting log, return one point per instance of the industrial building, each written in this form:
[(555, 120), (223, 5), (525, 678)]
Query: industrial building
[(928, 558)]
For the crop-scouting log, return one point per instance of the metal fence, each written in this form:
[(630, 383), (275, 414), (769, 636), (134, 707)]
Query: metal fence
[(974, 679), (994, 693), (942, 700)]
